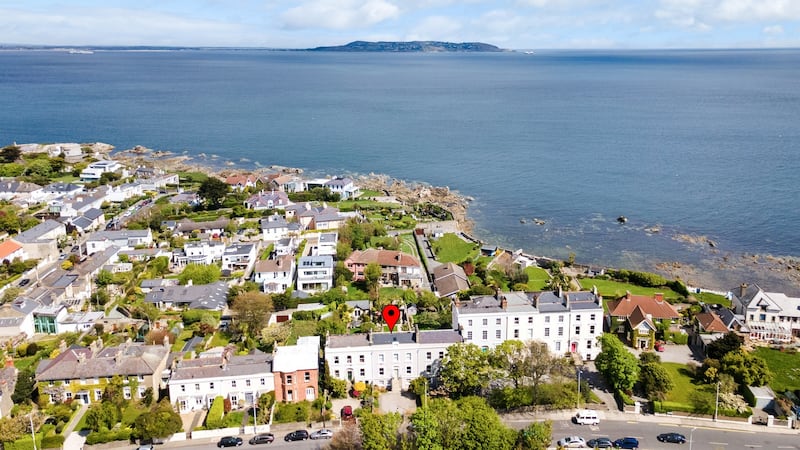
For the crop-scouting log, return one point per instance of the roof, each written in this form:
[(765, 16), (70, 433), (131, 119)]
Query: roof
[(638, 316), (63, 187), (339, 182), (93, 213), (274, 198), (83, 317), (656, 306), (202, 296), (34, 234), (113, 235), (449, 279), (711, 323), (188, 225), (302, 356), (225, 364), (239, 249), (18, 187), (81, 362), (273, 221), (316, 261), (279, 264), (328, 238), (383, 257), (360, 304), (408, 337), (82, 223), (7, 248)]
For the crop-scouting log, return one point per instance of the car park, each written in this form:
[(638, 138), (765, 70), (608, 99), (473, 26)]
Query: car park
[(322, 434), (627, 443), (572, 442), (602, 442), (263, 438), (299, 435), (229, 441), (675, 438)]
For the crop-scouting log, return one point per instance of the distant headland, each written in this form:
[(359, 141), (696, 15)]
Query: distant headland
[(408, 47)]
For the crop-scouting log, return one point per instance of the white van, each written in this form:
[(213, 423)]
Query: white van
[(586, 417)]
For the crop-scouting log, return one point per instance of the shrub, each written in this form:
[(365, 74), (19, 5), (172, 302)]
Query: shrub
[(292, 412), (54, 441), (101, 437), (215, 413)]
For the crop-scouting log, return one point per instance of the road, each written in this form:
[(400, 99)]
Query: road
[(205, 444)]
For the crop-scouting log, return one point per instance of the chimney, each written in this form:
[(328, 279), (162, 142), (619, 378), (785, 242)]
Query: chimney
[(416, 333), (9, 361), (594, 290), (369, 337), (457, 302), (628, 296), (566, 300), (503, 302), (62, 346), (560, 292), (398, 257), (742, 289), (166, 341), (659, 297)]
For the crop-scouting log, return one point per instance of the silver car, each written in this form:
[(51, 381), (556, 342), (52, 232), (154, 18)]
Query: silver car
[(322, 434)]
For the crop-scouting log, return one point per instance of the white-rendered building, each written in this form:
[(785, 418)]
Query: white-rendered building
[(239, 257), (219, 372), (124, 239), (274, 228), (768, 315), (95, 170), (275, 275), (566, 321), (200, 252), (315, 273), (379, 358)]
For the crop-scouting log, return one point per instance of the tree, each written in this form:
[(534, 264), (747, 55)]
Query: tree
[(465, 370), (539, 364), (730, 342), (536, 436), (746, 368), (468, 423), (510, 357), (212, 191), (25, 389), (161, 421), (157, 336), (10, 294), (252, 312), (372, 278), (102, 415), (104, 278), (199, 274), (10, 153), (150, 312), (379, 431), (655, 380), (618, 366), (347, 438), (160, 265), (12, 428), (275, 334)]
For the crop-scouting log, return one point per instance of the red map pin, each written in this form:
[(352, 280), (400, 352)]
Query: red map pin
[(391, 314)]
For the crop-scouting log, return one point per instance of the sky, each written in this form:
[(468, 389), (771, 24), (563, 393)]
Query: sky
[(509, 24)]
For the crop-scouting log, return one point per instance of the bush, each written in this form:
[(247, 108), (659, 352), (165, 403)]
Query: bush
[(304, 315), (102, 437), (510, 398), (623, 398), (292, 412), (678, 338), (215, 413), (55, 441)]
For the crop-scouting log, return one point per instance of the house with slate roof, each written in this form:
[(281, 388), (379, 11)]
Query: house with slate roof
[(566, 321), (213, 227), (388, 359), (636, 318), (220, 372), (198, 252), (345, 187), (316, 217), (124, 239), (82, 373), (17, 192), (397, 268), (768, 315), (239, 257), (315, 273), (274, 228), (41, 241), (212, 296), (275, 275), (16, 319), (267, 200), (450, 279)]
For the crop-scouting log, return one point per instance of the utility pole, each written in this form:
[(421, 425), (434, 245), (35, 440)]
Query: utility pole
[(33, 434), (255, 413), (579, 387), (716, 404)]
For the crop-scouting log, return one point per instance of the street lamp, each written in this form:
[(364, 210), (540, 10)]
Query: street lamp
[(33, 434), (716, 404), (255, 413), (691, 433), (580, 369)]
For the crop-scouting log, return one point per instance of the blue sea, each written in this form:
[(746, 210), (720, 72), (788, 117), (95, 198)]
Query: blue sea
[(699, 143)]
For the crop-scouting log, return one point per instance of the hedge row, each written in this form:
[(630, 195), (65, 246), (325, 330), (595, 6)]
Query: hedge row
[(215, 414)]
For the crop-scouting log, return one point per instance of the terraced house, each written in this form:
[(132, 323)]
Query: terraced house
[(82, 373)]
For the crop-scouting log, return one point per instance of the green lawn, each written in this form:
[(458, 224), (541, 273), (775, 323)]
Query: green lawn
[(537, 278), (451, 248), (613, 290), (683, 382), (707, 297), (407, 244), (301, 328), (785, 368)]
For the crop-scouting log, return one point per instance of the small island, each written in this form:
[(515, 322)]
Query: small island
[(408, 47)]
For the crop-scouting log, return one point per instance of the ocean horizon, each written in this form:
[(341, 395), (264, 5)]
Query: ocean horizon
[(697, 148)]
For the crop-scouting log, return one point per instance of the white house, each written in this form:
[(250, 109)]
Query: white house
[(565, 321), (326, 244), (239, 257), (16, 318), (380, 358), (345, 187), (124, 192), (195, 383), (274, 228), (315, 273), (78, 322), (41, 241), (275, 275), (198, 252), (95, 170), (267, 200), (124, 239), (768, 315)]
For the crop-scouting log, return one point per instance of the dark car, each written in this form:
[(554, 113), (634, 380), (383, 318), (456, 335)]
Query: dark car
[(602, 442), (627, 442), (24, 282), (299, 435), (264, 438), (675, 438), (229, 441)]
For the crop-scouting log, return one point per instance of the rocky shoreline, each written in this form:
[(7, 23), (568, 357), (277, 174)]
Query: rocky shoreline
[(717, 269)]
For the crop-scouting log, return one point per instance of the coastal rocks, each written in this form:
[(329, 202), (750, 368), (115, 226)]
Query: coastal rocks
[(622, 219)]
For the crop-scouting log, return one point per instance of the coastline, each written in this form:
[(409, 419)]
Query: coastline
[(717, 269)]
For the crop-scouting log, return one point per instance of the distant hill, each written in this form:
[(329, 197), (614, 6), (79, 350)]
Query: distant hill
[(413, 46)]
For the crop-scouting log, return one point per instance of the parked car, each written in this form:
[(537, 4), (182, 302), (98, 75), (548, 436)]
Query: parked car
[(24, 282), (572, 442), (322, 434), (627, 443), (675, 438), (602, 442), (230, 441), (659, 346), (299, 435), (263, 438), (145, 447)]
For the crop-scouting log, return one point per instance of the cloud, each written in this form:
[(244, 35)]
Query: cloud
[(435, 28), (773, 30), (339, 14), (750, 10)]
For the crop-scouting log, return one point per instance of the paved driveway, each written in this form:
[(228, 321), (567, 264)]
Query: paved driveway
[(675, 353)]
